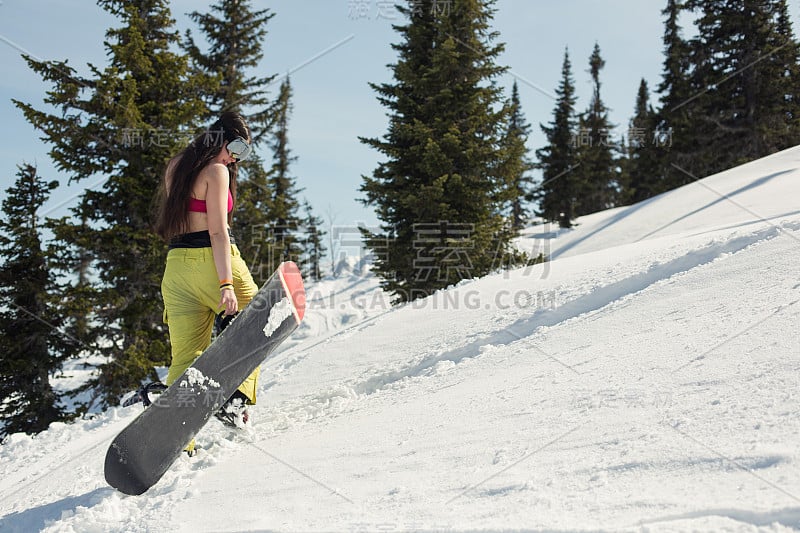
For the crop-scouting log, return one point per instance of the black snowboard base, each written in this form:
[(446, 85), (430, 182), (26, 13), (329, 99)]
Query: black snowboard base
[(147, 447)]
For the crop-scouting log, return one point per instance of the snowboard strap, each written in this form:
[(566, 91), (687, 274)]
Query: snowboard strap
[(142, 394)]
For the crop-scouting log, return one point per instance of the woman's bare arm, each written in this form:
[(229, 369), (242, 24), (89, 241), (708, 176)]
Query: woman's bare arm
[(218, 179)]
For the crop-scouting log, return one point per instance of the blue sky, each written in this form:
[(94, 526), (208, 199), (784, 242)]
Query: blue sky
[(333, 49)]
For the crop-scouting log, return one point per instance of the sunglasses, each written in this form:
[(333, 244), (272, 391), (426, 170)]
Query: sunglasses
[(239, 149)]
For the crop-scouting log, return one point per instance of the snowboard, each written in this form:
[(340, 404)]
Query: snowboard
[(147, 447)]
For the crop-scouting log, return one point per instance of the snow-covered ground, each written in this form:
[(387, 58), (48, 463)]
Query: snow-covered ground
[(646, 379)]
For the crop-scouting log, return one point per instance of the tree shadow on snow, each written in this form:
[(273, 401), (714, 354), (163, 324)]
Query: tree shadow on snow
[(627, 211), (787, 517), (37, 518)]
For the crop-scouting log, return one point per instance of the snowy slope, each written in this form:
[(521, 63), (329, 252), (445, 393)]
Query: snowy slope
[(647, 379), (763, 190)]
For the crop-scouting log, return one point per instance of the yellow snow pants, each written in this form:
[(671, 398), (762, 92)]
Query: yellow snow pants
[(190, 289)]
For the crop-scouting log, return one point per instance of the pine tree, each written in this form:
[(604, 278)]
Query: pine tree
[(235, 35), (32, 347), (558, 159), (779, 126), (597, 176), (282, 206), (714, 58), (313, 246), (644, 178), (516, 164), (269, 208), (123, 123), (390, 189), (436, 191), (743, 57), (675, 137)]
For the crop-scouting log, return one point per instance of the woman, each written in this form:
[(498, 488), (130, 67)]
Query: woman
[(205, 274)]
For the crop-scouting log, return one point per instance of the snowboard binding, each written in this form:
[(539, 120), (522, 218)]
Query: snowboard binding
[(234, 412), (143, 394), (222, 321)]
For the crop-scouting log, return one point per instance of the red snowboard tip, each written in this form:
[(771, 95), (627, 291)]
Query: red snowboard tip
[(293, 286)]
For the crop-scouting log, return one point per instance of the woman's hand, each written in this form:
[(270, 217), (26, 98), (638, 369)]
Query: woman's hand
[(228, 300)]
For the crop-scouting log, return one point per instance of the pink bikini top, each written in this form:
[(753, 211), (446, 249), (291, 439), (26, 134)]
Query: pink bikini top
[(199, 206)]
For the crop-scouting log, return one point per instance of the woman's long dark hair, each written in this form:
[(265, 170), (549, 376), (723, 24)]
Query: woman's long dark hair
[(173, 206)]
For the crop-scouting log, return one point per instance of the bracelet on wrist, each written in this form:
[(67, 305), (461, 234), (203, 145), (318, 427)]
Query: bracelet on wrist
[(226, 286)]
